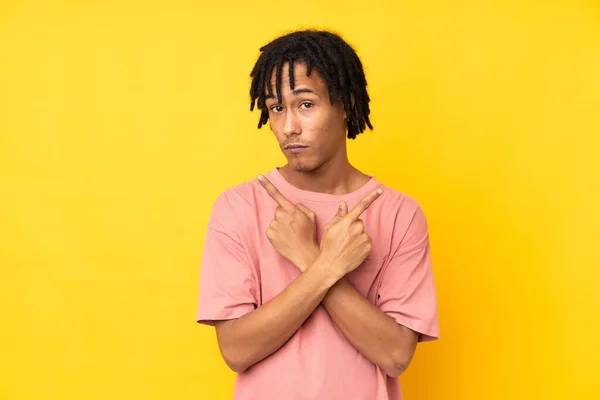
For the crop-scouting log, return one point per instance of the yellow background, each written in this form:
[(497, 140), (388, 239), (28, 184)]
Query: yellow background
[(120, 123)]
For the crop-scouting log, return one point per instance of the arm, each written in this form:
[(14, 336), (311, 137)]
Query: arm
[(377, 336), (374, 334), (258, 334), (406, 311)]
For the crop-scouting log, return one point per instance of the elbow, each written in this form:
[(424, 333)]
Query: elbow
[(233, 355), (235, 363), (236, 367), (394, 370), (400, 356), (396, 365)]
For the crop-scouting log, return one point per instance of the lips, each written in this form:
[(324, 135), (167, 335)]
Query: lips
[(294, 148)]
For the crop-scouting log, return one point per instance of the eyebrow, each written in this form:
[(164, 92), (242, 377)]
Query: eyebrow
[(295, 93)]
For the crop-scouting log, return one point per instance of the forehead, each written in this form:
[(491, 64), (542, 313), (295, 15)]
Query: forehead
[(314, 81)]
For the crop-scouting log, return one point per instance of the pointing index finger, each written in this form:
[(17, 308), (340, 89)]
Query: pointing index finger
[(363, 205), (274, 193)]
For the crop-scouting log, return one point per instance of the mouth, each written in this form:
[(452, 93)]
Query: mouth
[(295, 148)]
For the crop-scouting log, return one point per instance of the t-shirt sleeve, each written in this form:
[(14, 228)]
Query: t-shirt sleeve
[(228, 285), (407, 290)]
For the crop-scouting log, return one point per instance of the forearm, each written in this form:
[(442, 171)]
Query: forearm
[(374, 334), (258, 334)]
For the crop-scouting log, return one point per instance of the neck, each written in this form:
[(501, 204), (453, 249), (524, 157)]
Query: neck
[(336, 177)]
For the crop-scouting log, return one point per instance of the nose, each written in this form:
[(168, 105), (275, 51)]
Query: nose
[(291, 125)]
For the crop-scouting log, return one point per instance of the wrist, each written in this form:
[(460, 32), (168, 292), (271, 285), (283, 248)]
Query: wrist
[(309, 256), (329, 273)]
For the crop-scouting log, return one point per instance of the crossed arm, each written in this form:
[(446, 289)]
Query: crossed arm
[(251, 338), (374, 334), (256, 335)]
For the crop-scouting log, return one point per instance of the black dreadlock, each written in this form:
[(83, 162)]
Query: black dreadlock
[(336, 61)]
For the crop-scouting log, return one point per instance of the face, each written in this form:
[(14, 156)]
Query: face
[(310, 130)]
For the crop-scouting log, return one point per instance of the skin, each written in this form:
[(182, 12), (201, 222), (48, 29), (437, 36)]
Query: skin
[(305, 116)]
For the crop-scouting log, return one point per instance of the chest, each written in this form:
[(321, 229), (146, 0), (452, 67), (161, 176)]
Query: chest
[(275, 273)]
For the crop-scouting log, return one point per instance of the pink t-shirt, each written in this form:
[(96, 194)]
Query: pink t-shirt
[(241, 270)]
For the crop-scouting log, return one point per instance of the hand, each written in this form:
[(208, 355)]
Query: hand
[(345, 244), (293, 231)]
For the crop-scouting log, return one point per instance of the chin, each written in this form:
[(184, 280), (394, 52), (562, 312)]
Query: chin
[(300, 165)]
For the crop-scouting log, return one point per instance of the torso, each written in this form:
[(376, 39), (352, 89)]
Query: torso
[(317, 361)]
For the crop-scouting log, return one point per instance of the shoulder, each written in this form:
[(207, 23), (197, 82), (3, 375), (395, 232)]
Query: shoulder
[(409, 220), (234, 205), (242, 195), (400, 202)]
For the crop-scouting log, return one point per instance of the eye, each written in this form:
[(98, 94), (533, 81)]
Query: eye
[(306, 104), (276, 109)]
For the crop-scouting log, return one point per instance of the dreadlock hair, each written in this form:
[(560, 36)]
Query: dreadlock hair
[(336, 61)]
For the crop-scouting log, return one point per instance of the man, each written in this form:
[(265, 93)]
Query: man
[(316, 276)]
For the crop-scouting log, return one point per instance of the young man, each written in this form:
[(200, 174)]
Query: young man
[(316, 276)]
